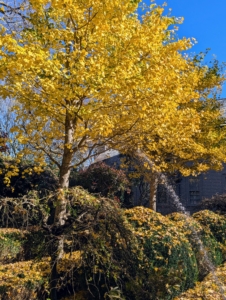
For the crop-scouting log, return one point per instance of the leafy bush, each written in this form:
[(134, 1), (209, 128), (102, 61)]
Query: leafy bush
[(103, 179), (216, 224), (110, 257), (213, 287), (169, 258), (216, 204), (11, 245), (26, 179), (199, 237), (18, 244), (28, 280)]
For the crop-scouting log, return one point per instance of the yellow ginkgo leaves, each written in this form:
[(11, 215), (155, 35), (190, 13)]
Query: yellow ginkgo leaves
[(91, 72)]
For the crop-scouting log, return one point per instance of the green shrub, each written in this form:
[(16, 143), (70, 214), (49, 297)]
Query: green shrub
[(213, 287), (18, 244), (11, 245), (216, 224), (193, 230), (36, 243), (169, 259)]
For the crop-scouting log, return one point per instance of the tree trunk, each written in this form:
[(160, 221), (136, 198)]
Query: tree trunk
[(65, 170), (60, 215), (153, 190)]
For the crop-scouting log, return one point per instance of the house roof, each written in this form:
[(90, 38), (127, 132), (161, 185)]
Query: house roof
[(105, 155)]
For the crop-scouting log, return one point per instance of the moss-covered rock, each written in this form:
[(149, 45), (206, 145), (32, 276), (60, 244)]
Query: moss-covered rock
[(207, 250), (169, 259)]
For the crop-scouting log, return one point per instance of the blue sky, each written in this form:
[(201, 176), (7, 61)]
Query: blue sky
[(204, 20)]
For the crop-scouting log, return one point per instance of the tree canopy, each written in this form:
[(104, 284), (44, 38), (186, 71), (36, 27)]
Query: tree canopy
[(91, 73)]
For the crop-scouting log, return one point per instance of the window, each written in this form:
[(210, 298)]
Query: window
[(195, 197), (194, 183)]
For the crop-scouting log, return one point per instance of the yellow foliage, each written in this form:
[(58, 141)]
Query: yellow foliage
[(92, 71), (212, 288), (17, 276)]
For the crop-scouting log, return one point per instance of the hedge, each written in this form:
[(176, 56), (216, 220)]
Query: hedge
[(216, 204), (213, 287), (11, 245), (28, 280), (215, 222), (169, 259), (200, 237)]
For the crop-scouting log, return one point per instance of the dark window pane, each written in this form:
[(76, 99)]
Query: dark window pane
[(194, 197)]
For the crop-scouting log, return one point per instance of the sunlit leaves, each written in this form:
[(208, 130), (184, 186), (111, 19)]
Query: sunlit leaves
[(116, 79)]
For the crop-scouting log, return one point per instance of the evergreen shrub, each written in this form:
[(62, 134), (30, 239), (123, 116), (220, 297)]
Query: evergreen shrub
[(216, 224), (168, 257), (213, 287), (16, 245), (200, 237)]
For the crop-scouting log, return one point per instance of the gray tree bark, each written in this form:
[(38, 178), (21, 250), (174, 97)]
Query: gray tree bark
[(153, 190), (60, 215)]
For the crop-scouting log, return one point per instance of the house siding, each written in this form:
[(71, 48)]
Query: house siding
[(191, 190)]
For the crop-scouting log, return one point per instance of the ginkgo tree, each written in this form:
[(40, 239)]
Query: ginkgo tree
[(90, 73)]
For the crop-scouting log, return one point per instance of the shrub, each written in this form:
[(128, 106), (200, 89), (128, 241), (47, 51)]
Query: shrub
[(28, 280), (169, 258), (103, 179), (213, 287), (11, 245), (216, 204), (216, 224), (26, 180), (23, 212), (97, 227), (18, 244), (196, 234)]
